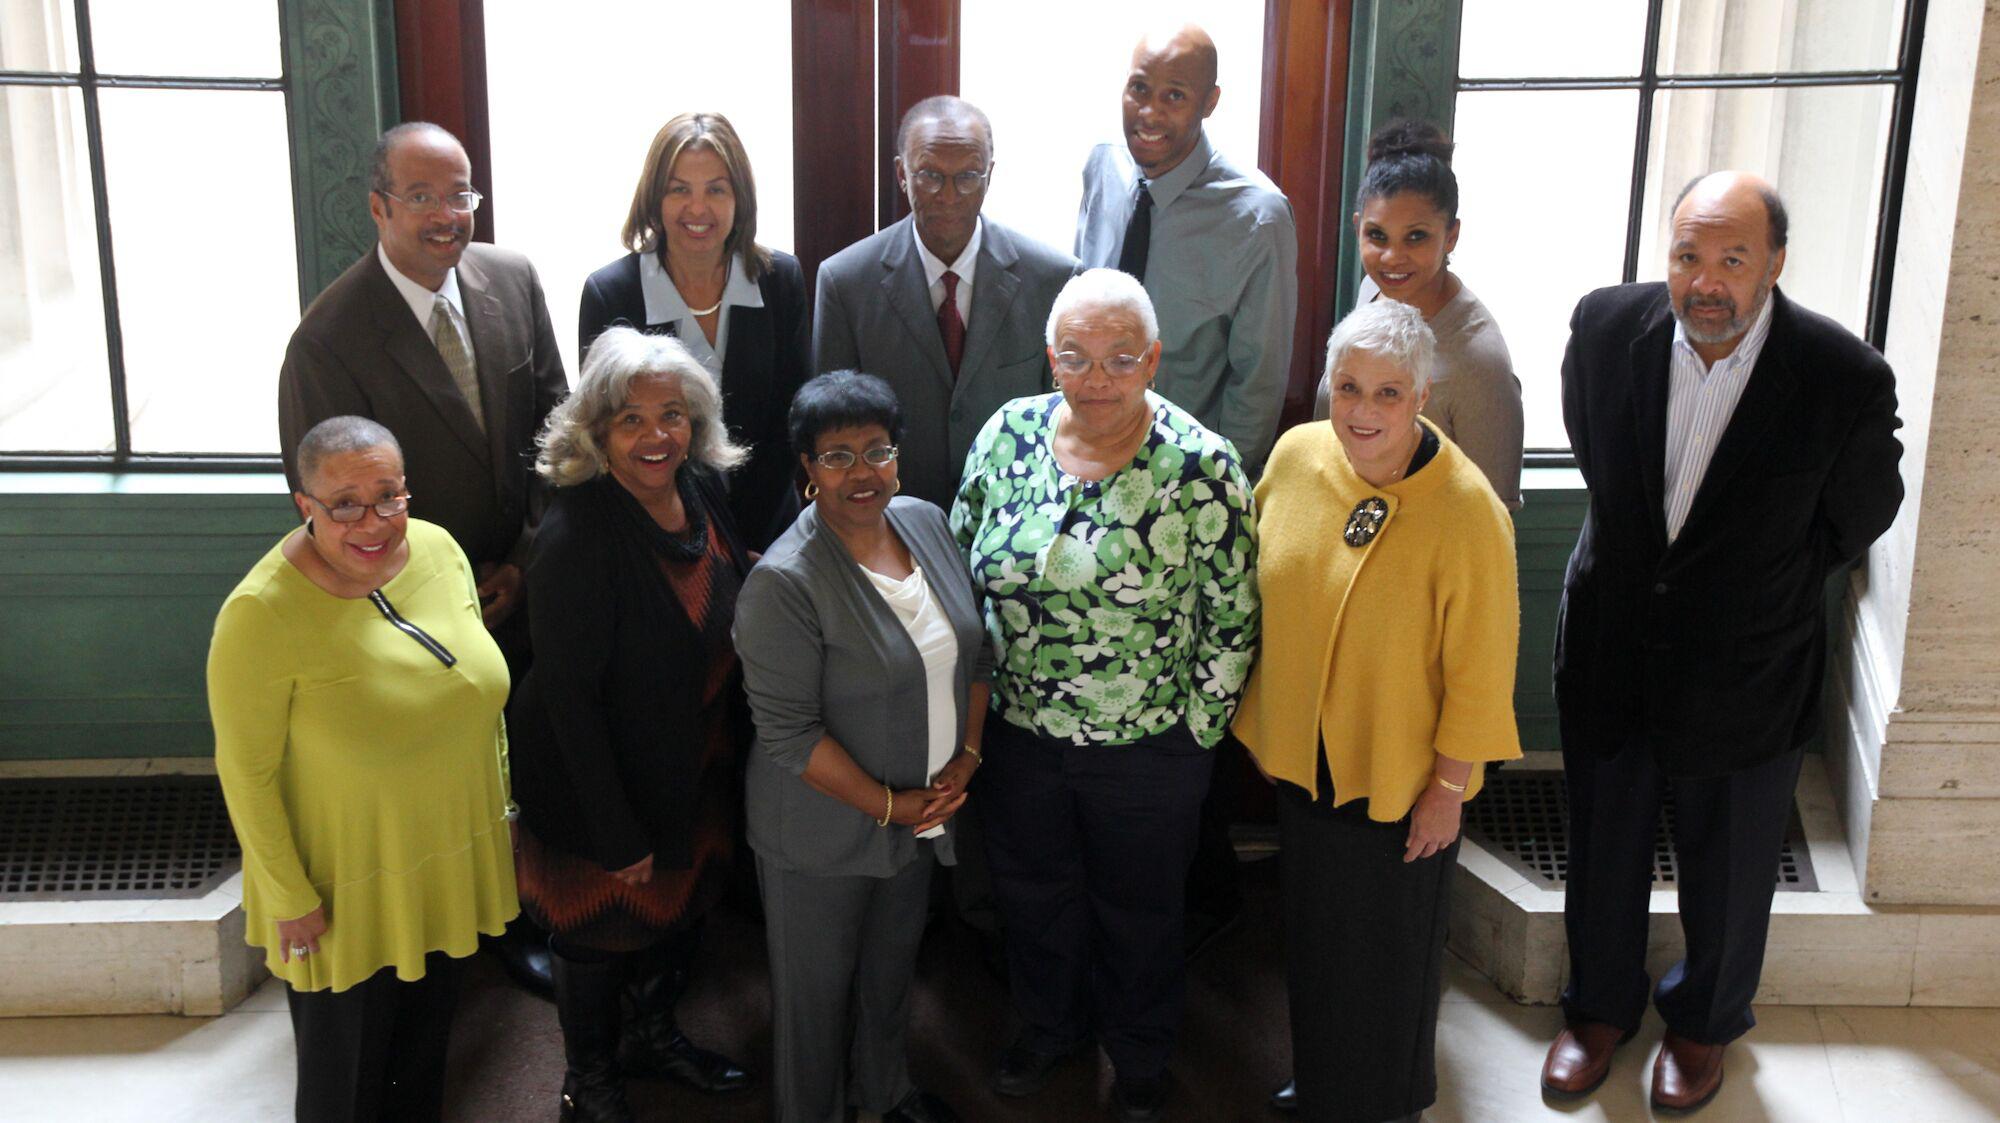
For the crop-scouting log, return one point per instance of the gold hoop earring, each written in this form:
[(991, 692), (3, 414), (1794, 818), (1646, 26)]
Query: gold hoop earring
[(812, 490), (898, 489)]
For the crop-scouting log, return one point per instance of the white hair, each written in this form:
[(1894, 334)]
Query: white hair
[(572, 443), (1104, 290), (1388, 329)]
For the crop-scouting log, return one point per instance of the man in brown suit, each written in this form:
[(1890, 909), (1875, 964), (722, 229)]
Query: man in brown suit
[(448, 344)]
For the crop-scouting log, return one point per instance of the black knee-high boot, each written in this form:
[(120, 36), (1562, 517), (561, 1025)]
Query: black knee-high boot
[(587, 997), (651, 1042)]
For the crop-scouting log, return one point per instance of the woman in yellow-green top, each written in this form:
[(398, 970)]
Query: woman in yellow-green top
[(1385, 679), (356, 699)]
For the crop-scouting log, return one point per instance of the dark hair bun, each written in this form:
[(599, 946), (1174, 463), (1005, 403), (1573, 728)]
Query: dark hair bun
[(1407, 137)]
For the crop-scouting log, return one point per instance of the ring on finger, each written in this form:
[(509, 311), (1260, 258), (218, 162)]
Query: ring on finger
[(300, 951)]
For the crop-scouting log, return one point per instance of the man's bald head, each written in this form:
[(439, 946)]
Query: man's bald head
[(953, 115), (1171, 42), (1737, 194)]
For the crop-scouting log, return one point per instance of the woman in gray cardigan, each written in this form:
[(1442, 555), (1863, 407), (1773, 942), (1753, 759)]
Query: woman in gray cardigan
[(867, 667)]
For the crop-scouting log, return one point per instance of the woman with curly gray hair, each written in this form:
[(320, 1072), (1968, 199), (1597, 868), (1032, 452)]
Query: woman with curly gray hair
[(626, 731)]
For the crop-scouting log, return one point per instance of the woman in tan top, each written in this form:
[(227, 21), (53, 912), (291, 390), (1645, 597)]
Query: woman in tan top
[(1407, 219)]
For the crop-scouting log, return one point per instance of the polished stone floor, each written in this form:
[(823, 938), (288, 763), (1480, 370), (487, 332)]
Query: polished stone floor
[(1810, 1064)]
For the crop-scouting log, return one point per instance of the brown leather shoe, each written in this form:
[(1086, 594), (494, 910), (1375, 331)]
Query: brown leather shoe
[(1686, 1074), (1581, 1057)]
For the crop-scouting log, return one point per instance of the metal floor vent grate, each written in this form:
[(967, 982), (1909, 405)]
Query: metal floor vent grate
[(103, 838), (1522, 817)]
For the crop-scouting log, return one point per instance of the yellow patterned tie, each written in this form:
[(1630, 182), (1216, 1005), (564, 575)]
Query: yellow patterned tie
[(451, 347)]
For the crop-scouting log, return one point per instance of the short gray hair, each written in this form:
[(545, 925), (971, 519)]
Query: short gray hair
[(572, 443), (1389, 329), (1104, 290), (337, 435)]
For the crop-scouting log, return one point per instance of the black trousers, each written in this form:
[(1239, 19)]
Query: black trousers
[(1089, 849), (1364, 959), (1214, 888), (1728, 832), (375, 1051)]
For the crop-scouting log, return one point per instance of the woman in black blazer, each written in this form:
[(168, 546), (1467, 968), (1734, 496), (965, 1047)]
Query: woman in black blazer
[(629, 732), (696, 272)]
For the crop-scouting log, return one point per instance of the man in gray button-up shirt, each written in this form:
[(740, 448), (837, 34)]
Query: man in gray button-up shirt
[(1221, 263)]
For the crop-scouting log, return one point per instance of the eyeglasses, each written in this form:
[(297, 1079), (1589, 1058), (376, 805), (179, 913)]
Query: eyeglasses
[(353, 512), (423, 202), (1073, 363), (840, 460), (967, 183)]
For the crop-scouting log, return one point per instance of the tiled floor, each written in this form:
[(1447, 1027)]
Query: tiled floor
[(1806, 1064)]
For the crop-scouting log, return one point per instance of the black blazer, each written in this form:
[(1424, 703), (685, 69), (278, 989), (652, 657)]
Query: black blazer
[(602, 728), (1710, 651), (766, 363)]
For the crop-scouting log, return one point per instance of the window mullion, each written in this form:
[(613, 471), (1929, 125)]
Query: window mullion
[(1649, 80), (1895, 172), (100, 197)]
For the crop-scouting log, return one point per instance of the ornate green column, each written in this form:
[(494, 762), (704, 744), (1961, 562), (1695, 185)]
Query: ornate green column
[(341, 58)]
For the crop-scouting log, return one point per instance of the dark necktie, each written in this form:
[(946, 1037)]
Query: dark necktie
[(950, 325), (1138, 235)]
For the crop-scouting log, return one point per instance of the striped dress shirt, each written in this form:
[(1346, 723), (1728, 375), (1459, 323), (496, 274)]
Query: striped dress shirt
[(1700, 401)]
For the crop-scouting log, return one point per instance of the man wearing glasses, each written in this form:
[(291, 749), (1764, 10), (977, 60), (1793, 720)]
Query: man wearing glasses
[(447, 344), (946, 306)]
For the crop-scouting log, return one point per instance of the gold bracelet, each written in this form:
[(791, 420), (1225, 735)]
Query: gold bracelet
[(976, 758), (1449, 786), (888, 807)]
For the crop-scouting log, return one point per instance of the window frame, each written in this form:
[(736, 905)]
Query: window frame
[(1901, 80)]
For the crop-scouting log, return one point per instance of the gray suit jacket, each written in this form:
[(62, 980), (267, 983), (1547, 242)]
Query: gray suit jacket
[(824, 655), (873, 314), (358, 350)]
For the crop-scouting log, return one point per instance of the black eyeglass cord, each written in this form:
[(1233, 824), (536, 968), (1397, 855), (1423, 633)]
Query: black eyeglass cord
[(390, 614)]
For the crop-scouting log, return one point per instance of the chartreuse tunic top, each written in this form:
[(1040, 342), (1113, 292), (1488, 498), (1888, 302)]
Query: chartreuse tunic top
[(1119, 608), (1386, 647), (362, 773)]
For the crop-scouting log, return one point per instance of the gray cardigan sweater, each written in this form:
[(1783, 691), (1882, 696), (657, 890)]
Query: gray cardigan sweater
[(823, 654)]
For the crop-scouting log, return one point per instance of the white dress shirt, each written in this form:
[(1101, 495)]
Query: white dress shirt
[(937, 645), (1700, 401), (421, 300), (935, 269), (664, 304)]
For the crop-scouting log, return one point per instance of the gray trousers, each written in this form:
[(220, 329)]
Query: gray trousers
[(843, 953)]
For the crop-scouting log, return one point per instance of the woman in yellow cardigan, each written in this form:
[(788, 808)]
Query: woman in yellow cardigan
[(356, 699), (1385, 679)]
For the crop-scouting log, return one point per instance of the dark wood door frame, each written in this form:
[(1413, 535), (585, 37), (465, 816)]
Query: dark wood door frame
[(441, 78)]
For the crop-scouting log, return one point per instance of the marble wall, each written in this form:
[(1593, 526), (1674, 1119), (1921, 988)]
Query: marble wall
[(1917, 750)]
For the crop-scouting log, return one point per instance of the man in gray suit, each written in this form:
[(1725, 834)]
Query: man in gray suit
[(447, 343), (949, 307)]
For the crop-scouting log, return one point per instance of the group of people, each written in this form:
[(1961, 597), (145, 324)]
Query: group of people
[(978, 562)]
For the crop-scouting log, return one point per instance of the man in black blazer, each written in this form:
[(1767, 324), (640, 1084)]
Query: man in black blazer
[(448, 344), (880, 305), (1739, 450)]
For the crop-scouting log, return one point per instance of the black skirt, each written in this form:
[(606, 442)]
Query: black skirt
[(1364, 960)]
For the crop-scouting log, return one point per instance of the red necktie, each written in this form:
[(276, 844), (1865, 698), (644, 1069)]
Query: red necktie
[(950, 325)]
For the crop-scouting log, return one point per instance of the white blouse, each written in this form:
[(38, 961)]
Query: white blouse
[(911, 600)]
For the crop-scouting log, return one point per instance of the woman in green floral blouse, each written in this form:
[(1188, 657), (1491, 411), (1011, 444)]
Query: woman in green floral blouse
[(1114, 540)]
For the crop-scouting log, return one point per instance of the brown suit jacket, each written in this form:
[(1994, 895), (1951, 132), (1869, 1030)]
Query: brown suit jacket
[(358, 350)]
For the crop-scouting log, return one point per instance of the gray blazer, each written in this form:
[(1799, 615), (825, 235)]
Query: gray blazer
[(872, 313), (824, 655)]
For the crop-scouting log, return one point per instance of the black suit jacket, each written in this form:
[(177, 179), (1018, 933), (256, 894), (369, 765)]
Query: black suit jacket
[(358, 350), (604, 731), (763, 368), (1709, 652)]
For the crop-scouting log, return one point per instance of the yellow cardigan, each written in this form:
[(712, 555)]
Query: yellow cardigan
[(1391, 650)]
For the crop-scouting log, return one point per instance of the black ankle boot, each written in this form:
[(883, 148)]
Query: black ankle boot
[(587, 996), (652, 1043)]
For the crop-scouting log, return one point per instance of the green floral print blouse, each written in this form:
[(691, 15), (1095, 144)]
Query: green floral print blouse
[(1121, 607)]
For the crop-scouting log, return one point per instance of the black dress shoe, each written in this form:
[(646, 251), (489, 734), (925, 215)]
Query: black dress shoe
[(1285, 1098), (526, 960), (1139, 1101), (1025, 1070), (920, 1107)]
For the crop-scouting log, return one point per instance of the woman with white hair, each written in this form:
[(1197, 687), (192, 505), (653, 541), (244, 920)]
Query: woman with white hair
[(1385, 680), (1113, 541), (628, 730)]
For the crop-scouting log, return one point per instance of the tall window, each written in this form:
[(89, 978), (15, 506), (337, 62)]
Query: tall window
[(1579, 121), (148, 257), (574, 102), (1051, 97)]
